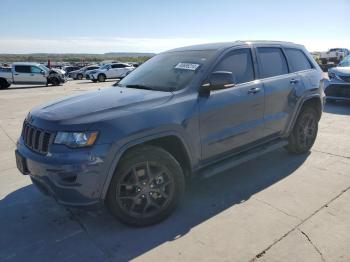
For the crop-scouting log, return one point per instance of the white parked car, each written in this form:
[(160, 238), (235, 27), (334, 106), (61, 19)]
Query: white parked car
[(110, 71)]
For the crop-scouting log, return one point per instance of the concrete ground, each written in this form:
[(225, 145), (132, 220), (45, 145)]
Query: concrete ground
[(278, 207)]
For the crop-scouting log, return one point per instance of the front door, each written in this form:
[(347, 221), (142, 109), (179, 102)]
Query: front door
[(37, 75), (232, 118)]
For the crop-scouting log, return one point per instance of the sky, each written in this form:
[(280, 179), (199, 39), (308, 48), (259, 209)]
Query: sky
[(100, 26)]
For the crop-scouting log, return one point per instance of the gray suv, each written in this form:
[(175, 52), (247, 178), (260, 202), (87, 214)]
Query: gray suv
[(195, 110)]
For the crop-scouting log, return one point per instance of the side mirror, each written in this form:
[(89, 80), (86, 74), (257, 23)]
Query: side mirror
[(43, 72), (219, 80)]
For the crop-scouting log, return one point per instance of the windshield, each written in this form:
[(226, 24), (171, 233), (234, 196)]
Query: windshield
[(168, 71), (345, 62), (44, 68), (106, 66)]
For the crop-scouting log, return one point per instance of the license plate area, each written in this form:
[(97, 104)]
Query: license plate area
[(21, 163)]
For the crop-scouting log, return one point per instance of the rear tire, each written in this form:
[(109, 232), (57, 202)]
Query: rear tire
[(304, 132), (101, 78), (4, 84), (146, 187), (79, 77)]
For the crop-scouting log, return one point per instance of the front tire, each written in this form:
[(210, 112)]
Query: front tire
[(304, 132), (79, 77), (55, 81), (147, 186), (101, 78)]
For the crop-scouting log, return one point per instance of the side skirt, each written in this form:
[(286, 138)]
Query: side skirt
[(240, 158)]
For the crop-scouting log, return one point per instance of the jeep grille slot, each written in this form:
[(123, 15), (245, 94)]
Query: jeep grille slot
[(36, 139)]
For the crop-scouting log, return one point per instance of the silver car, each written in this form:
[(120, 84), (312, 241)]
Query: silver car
[(81, 73), (338, 85)]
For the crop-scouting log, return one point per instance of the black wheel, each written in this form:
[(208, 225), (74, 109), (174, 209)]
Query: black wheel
[(146, 187), (101, 78), (304, 132), (79, 76), (55, 81), (4, 84)]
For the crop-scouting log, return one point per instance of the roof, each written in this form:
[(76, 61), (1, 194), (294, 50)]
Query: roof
[(25, 63), (224, 45)]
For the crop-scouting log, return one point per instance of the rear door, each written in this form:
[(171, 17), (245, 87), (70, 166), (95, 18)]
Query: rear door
[(299, 63), (232, 118), (21, 74), (120, 70), (279, 85)]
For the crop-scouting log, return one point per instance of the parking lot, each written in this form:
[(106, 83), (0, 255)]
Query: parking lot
[(278, 207)]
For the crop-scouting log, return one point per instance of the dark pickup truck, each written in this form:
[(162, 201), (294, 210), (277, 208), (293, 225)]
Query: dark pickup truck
[(196, 110)]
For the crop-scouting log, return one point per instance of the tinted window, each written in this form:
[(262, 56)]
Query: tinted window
[(35, 70), (118, 66), (22, 69), (239, 62), (271, 62), (297, 60)]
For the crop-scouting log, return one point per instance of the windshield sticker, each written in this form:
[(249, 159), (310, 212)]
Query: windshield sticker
[(187, 66)]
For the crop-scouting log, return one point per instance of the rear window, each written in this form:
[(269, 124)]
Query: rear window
[(297, 60), (240, 63), (271, 62), (22, 69)]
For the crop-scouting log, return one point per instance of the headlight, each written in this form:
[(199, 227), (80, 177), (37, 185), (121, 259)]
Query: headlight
[(76, 139)]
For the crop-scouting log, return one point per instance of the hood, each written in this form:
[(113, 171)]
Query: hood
[(58, 71), (340, 70), (93, 106)]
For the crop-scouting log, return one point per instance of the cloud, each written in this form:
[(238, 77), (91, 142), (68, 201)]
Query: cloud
[(122, 44)]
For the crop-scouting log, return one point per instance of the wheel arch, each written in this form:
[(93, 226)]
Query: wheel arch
[(101, 74), (171, 142), (314, 101)]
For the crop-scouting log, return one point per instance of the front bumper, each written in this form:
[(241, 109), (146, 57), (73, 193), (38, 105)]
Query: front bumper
[(336, 89), (72, 177)]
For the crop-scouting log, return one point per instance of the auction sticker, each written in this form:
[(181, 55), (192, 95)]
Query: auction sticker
[(187, 66)]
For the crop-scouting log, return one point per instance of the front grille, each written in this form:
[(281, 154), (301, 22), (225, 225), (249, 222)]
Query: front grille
[(338, 91), (345, 78), (36, 139)]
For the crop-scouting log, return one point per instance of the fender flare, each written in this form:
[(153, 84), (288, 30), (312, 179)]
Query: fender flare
[(298, 109), (114, 163)]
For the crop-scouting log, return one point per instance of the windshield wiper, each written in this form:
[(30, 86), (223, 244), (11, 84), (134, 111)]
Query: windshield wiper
[(139, 87)]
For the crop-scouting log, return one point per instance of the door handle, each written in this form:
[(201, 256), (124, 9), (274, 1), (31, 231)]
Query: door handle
[(294, 81), (254, 90)]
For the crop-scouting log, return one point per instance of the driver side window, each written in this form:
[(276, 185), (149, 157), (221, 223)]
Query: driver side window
[(240, 63), (35, 70)]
